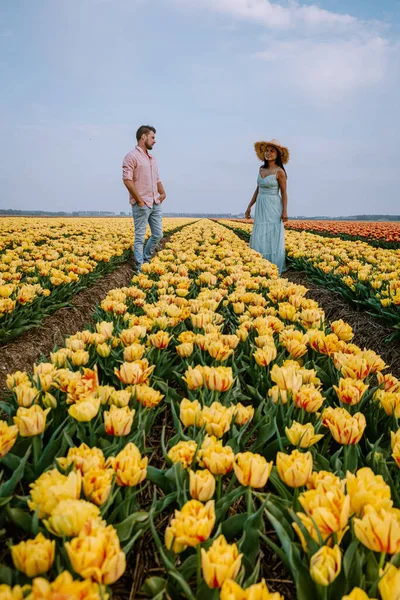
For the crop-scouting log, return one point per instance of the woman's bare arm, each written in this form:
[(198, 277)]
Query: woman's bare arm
[(281, 177), (252, 201)]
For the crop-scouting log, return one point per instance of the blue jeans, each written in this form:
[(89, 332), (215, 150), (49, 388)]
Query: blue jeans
[(142, 216)]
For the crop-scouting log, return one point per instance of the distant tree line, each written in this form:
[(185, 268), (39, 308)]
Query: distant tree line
[(103, 213)]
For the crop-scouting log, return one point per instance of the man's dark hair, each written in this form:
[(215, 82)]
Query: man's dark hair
[(144, 129)]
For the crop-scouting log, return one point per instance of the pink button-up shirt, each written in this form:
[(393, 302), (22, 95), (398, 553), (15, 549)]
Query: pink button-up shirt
[(142, 169)]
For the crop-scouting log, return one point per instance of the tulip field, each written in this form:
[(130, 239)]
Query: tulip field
[(366, 276), (382, 234), (44, 262), (210, 416)]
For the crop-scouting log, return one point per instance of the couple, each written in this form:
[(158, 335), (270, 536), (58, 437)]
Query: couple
[(146, 194)]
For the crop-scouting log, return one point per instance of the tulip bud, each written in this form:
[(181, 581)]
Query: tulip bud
[(389, 583), (103, 350), (8, 437), (96, 485), (183, 452), (325, 565), (189, 412), (34, 557), (25, 394), (31, 421), (295, 468), (220, 562), (252, 469), (202, 485), (302, 435), (118, 421), (49, 401), (85, 410)]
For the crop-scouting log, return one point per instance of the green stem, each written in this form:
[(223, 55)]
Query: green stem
[(382, 560), (346, 458), (198, 552), (219, 487), (37, 449), (249, 500)]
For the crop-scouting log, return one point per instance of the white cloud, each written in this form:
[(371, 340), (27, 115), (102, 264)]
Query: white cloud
[(331, 70), (272, 14), (323, 55)]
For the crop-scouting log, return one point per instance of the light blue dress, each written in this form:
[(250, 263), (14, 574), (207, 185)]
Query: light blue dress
[(268, 236)]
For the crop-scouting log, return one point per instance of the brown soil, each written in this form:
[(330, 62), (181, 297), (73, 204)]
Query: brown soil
[(369, 332), (23, 352)]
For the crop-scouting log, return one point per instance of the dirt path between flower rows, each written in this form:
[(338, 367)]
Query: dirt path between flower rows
[(21, 353), (369, 332)]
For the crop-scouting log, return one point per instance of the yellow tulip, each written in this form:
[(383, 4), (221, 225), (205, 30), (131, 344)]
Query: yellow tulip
[(96, 553), (215, 457), (183, 452), (134, 372), (264, 356), (277, 395), (16, 378), (129, 466), (31, 421), (185, 349), (190, 526), (69, 516), (329, 510), (364, 488), (220, 562), (146, 395), (252, 469), (295, 468), (189, 412), (193, 377), (216, 419), (286, 378), (160, 340), (79, 358), (64, 587), (351, 365), (342, 330), (345, 428), (308, 397), (120, 398), (103, 350), (8, 437), (96, 485), (350, 391), (25, 394), (258, 591), (83, 458), (379, 529), (325, 565), (325, 481), (85, 410), (219, 379), (11, 593), (302, 435), (202, 485), (357, 594), (104, 392), (105, 328), (118, 421), (389, 584), (51, 488), (243, 414), (390, 402), (34, 557)]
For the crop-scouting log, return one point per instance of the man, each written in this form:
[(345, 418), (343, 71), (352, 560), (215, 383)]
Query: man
[(146, 194)]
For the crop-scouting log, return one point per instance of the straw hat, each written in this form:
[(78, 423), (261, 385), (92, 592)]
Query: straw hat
[(261, 146)]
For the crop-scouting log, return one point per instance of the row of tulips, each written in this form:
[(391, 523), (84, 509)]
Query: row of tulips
[(275, 420), (43, 262), (364, 275), (383, 234)]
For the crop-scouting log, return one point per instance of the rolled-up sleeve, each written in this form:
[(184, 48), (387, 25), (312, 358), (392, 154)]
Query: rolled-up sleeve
[(128, 166)]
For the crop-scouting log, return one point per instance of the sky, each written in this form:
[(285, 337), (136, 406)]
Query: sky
[(78, 77)]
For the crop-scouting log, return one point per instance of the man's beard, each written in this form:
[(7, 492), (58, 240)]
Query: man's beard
[(149, 147)]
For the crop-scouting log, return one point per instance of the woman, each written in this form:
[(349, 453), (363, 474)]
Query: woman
[(268, 235)]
